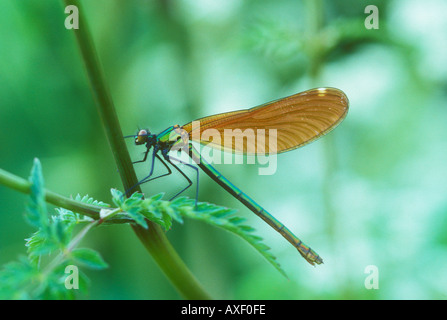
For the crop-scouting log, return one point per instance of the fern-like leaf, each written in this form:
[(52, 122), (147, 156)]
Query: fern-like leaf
[(164, 212), (224, 218), (36, 209)]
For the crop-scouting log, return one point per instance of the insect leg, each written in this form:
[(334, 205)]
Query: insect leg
[(148, 177), (144, 158), (162, 175), (169, 159)]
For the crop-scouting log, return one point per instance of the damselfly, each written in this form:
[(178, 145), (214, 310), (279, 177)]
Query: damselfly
[(294, 121)]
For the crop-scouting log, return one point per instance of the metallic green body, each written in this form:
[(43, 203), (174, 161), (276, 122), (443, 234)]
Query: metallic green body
[(311, 256), (175, 138)]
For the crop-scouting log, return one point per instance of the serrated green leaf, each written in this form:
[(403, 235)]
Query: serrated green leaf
[(132, 201), (156, 197), (39, 244), (36, 209), (15, 278), (163, 212), (183, 201), (218, 217), (89, 258), (61, 231), (90, 200), (236, 220), (117, 197), (222, 213), (137, 195), (137, 216)]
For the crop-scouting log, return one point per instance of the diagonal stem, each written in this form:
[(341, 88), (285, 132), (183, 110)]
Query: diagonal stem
[(152, 238)]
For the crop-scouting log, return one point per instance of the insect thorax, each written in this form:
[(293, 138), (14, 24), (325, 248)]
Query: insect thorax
[(173, 137)]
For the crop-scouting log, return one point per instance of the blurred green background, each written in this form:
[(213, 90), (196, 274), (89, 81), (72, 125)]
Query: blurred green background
[(372, 192)]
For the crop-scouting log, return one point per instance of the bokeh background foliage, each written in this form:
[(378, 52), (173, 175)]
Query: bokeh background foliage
[(372, 192)]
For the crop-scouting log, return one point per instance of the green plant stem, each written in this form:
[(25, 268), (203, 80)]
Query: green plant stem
[(14, 182), (90, 210), (152, 238), (72, 245)]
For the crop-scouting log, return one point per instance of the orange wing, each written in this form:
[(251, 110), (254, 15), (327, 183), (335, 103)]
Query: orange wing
[(274, 127)]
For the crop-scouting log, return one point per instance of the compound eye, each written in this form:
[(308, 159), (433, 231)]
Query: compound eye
[(141, 137)]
